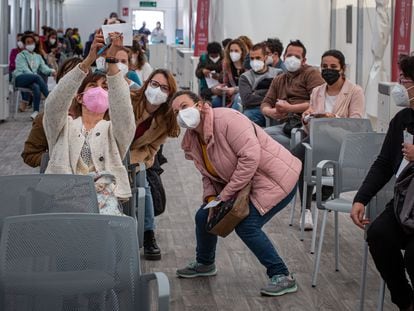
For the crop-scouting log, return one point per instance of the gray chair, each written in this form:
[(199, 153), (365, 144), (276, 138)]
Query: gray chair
[(17, 97), (74, 262), (137, 202), (375, 207), (47, 193), (326, 136), (357, 153)]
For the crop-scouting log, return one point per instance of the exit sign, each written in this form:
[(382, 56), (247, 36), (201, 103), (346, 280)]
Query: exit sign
[(148, 4)]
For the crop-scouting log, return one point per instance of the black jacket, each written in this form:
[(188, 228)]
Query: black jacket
[(390, 157)]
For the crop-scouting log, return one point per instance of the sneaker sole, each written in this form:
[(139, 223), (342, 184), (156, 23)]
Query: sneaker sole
[(190, 276), (285, 291)]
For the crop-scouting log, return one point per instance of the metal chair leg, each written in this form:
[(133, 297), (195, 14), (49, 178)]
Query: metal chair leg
[(336, 241), (363, 277), (381, 295), (302, 215), (318, 255), (315, 230), (292, 211)]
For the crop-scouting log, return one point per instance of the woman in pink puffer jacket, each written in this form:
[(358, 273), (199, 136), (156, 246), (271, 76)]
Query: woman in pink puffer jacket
[(230, 151)]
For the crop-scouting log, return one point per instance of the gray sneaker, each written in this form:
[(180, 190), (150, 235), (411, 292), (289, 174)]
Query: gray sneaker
[(195, 269), (279, 285)]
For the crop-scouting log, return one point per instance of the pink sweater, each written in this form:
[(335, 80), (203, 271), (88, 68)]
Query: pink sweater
[(239, 156), (355, 101)]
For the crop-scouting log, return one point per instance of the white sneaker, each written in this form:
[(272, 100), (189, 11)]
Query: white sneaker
[(34, 115), (308, 220)]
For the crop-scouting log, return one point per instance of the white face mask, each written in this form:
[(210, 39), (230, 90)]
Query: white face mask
[(20, 44), (52, 41), (400, 95), (123, 68), (30, 47), (214, 60), (292, 63), (235, 56), (100, 63), (269, 60), (257, 65), (155, 96), (134, 60), (189, 118)]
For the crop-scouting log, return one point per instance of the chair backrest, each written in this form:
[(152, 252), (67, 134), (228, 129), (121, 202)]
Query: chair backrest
[(47, 193), (358, 152), (327, 134), (69, 262)]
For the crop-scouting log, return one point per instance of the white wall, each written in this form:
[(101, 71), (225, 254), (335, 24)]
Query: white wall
[(286, 19), (87, 15)]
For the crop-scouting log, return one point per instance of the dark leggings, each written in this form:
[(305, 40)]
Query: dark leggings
[(386, 239)]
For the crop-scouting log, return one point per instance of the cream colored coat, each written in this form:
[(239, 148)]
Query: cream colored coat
[(349, 103), (109, 140)]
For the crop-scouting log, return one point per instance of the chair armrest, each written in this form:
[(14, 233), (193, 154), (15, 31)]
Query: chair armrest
[(307, 167), (163, 288), (296, 137), (319, 174)]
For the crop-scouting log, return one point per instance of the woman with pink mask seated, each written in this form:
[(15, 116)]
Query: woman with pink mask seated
[(90, 144)]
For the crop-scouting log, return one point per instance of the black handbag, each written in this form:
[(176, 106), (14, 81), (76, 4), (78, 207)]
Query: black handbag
[(293, 121), (404, 199)]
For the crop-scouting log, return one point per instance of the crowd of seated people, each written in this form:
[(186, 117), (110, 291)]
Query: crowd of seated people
[(106, 105)]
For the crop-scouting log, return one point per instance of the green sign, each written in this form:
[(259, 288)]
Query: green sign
[(148, 4)]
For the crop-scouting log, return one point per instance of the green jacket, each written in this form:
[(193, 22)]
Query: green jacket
[(27, 62)]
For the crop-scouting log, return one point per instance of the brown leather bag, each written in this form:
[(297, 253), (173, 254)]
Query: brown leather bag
[(227, 215)]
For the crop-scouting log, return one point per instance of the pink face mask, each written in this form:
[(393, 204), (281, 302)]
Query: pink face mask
[(96, 100)]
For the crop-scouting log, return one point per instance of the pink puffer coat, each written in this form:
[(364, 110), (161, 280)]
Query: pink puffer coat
[(240, 154)]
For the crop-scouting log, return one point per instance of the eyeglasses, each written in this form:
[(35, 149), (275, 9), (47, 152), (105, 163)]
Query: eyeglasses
[(154, 84)]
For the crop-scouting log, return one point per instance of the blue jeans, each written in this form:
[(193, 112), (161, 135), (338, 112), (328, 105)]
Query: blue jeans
[(216, 101), (251, 233), (149, 220), (36, 84), (276, 132), (255, 115)]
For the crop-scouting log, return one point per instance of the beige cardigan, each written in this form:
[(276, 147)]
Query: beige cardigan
[(349, 103), (109, 140)]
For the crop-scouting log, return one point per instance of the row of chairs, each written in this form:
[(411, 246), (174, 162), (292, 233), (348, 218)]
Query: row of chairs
[(57, 252), (348, 147)]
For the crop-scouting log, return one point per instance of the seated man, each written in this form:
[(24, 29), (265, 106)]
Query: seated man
[(289, 92), (210, 66), (254, 83), (274, 50)]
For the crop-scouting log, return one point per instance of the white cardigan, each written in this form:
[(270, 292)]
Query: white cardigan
[(109, 140)]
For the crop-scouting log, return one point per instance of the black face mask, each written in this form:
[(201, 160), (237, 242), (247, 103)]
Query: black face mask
[(330, 75)]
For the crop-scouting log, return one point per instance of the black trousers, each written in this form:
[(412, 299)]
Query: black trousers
[(299, 152), (386, 239)]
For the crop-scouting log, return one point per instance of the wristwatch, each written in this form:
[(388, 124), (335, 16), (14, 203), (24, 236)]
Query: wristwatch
[(111, 60)]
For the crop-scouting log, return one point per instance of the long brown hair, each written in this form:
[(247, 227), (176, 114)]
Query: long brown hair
[(227, 59), (75, 109), (67, 66), (141, 58), (164, 114)]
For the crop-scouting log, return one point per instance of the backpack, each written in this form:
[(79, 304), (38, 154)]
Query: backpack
[(404, 199)]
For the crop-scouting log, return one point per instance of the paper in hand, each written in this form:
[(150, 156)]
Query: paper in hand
[(213, 203), (125, 29), (210, 81), (408, 139)]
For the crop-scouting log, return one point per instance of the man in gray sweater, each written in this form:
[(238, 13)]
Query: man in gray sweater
[(254, 83)]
